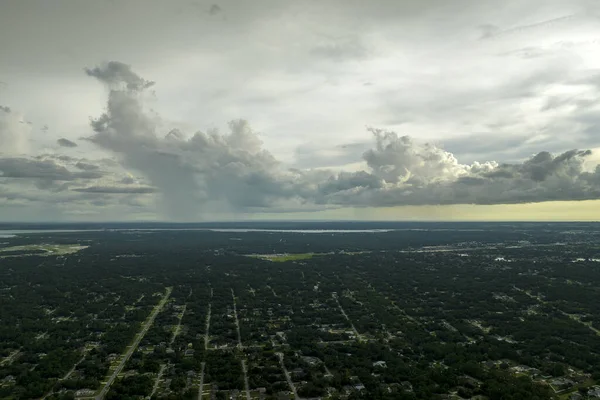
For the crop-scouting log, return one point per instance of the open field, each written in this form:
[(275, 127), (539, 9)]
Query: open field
[(41, 249), (286, 257)]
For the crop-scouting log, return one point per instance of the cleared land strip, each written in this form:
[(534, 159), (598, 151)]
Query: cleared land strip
[(140, 335)]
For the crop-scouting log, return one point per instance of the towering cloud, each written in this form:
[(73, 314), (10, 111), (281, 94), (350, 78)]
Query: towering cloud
[(204, 172)]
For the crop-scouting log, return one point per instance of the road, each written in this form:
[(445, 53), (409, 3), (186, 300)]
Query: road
[(246, 384), (136, 342), (157, 381), (274, 294), (237, 322), (358, 336), (10, 358), (67, 375), (288, 377), (178, 327), (201, 386), (207, 326), (570, 316)]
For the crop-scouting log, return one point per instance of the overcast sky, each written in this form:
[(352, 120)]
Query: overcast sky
[(201, 110)]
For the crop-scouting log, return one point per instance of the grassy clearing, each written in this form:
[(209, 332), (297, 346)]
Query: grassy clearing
[(300, 256), (286, 257), (41, 249)]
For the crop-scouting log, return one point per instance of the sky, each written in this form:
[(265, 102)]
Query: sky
[(269, 109)]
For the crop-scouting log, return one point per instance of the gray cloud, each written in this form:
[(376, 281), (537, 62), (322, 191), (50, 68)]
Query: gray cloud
[(117, 189), (6, 109), (59, 157), (214, 9), (341, 49), (25, 168), (115, 72), (350, 181), (434, 177), (313, 155), (86, 166), (232, 172), (66, 143), (46, 170), (492, 32)]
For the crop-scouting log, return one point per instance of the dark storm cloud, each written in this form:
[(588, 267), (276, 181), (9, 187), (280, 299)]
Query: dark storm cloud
[(66, 143)]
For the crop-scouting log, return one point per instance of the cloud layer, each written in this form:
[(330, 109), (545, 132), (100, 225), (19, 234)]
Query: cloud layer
[(208, 171)]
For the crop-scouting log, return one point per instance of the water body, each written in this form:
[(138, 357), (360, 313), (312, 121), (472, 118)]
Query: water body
[(13, 233), (234, 230)]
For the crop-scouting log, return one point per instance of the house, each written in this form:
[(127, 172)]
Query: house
[(298, 373), (560, 384), (406, 386), (469, 382), (594, 392), (311, 360), (84, 392)]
